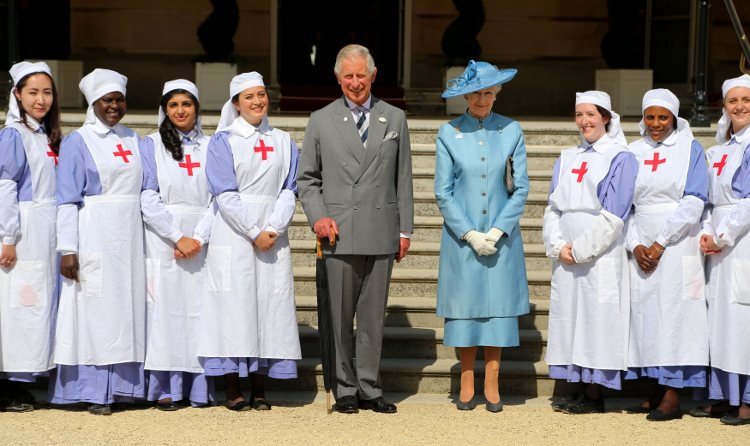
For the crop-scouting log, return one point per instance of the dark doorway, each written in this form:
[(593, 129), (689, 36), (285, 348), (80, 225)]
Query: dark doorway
[(312, 32)]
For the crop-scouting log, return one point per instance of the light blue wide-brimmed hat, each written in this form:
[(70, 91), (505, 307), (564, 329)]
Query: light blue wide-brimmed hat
[(477, 76)]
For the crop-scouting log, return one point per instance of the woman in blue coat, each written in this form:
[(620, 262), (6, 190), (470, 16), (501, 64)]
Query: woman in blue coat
[(482, 286)]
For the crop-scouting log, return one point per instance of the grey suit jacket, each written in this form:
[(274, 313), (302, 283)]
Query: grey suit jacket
[(368, 192)]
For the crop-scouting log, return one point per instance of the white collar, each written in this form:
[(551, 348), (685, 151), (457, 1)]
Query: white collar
[(246, 130), (741, 136), (669, 141), (599, 145)]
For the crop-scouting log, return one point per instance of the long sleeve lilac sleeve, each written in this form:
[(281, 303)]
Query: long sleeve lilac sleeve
[(155, 214), (13, 168)]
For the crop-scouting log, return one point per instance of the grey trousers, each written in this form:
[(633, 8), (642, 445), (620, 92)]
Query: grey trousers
[(358, 284)]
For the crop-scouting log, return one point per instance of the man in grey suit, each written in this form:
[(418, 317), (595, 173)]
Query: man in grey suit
[(354, 181)]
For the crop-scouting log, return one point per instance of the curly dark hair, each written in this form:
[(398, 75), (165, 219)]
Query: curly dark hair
[(170, 137)]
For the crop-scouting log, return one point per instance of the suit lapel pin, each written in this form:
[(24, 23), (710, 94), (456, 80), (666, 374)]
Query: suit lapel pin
[(345, 119), (382, 119)]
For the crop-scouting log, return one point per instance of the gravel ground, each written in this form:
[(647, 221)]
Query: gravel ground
[(421, 419)]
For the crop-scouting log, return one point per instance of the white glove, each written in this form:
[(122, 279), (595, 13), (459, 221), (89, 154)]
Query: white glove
[(479, 243), (493, 235)]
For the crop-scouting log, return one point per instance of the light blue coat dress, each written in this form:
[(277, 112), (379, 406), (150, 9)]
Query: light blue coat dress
[(481, 297)]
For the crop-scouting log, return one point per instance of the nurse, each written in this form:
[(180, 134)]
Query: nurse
[(29, 146), (178, 211), (590, 197), (724, 238), (248, 321), (481, 240), (101, 324), (669, 325)]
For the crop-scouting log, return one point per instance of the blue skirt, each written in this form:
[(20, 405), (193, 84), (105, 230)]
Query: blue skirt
[(611, 379), (677, 377), (273, 368), (176, 385), (732, 387), (487, 332), (105, 384)]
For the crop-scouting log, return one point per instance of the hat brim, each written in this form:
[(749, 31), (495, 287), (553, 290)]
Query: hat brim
[(500, 77)]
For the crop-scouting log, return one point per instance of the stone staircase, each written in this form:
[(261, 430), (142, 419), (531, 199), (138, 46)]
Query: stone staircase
[(414, 357)]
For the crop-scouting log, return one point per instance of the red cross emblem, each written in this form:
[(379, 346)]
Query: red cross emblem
[(263, 149), (123, 153), (720, 165), (654, 163), (188, 164), (52, 154), (581, 171)]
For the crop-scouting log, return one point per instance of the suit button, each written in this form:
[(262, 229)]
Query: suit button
[(483, 158), (484, 211), (356, 208), (484, 176), (484, 194), (481, 143), (355, 185)]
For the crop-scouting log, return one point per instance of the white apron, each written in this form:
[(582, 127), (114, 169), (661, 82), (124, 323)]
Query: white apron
[(589, 302), (28, 298), (176, 288), (101, 319), (728, 271), (669, 325), (251, 311)]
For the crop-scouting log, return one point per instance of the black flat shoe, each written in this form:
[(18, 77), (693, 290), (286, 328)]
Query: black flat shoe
[(168, 407), (100, 409), (494, 407), (730, 420), (7, 405), (346, 404), (378, 404), (240, 406), (584, 406), (559, 405), (637, 410), (261, 404), (658, 415), (468, 405), (699, 412)]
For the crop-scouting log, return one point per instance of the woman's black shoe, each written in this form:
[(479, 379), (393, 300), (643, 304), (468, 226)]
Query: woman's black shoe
[(658, 415), (559, 405), (585, 405), (100, 409)]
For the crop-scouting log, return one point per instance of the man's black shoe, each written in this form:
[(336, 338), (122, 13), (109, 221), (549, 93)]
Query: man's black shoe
[(378, 404), (346, 404)]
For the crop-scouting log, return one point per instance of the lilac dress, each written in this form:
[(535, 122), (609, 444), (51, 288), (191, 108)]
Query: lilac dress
[(78, 177), (680, 376), (175, 202), (27, 192), (222, 178), (615, 193)]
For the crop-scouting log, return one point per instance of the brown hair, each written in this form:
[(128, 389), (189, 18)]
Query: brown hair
[(605, 114), (51, 120)]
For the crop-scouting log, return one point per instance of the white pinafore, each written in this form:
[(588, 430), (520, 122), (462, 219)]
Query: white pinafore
[(669, 325), (250, 311), (589, 303), (728, 271), (102, 319), (177, 288), (28, 289)]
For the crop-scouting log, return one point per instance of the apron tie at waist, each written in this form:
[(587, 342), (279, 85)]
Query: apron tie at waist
[(258, 198), (37, 204), (655, 208), (186, 208), (130, 198)]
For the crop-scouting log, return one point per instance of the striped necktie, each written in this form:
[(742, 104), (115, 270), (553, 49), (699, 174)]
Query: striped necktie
[(362, 126)]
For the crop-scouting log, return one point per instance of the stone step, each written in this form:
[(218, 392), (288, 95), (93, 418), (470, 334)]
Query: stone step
[(421, 255), (412, 375), (426, 228), (419, 311), (407, 282), (427, 343), (559, 132)]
